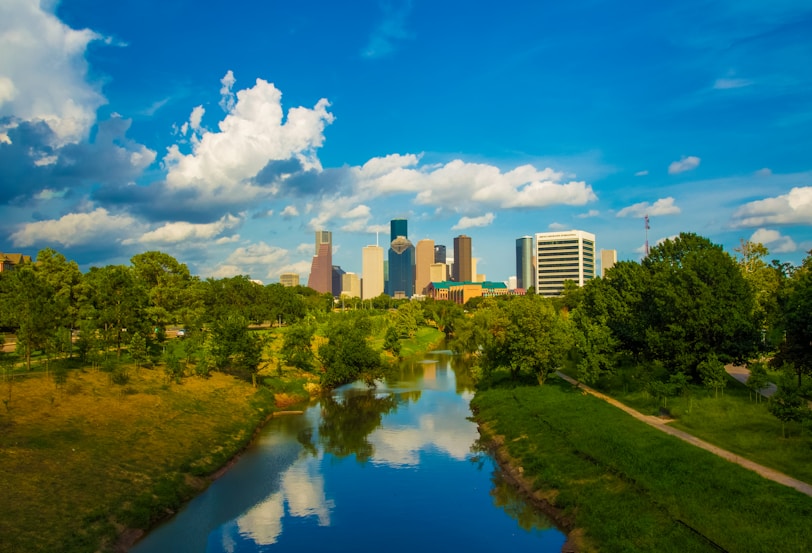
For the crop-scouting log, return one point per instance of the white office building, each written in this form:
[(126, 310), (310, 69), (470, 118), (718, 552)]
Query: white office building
[(562, 256)]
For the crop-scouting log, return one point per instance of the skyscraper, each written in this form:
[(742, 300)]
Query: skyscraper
[(462, 259), (568, 255), (401, 261), (524, 262), (423, 259), (608, 260), (321, 269), (439, 254), (337, 280), (371, 272)]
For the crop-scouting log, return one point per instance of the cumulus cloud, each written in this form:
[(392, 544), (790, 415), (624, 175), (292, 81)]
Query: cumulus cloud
[(256, 259), (663, 206), (588, 214), (469, 222), (182, 231), (794, 207), (684, 164), (60, 97), (223, 164), (774, 240), (75, 229), (290, 212)]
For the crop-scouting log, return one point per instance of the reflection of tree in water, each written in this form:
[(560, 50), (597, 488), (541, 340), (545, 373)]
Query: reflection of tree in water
[(347, 422), (509, 499)]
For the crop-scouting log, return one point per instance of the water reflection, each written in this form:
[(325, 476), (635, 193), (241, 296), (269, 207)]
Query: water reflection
[(363, 465)]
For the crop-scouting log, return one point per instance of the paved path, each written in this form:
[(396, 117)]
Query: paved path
[(660, 424), (743, 373)]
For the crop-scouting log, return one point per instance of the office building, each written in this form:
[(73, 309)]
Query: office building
[(438, 272), (439, 254), (608, 260), (350, 285), (561, 256), (289, 279), (337, 280), (423, 260), (372, 280), (524, 262), (462, 259), (321, 269), (401, 261)]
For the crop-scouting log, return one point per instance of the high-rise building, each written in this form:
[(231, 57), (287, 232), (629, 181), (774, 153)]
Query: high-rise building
[(289, 279), (566, 255), (401, 261), (524, 262), (372, 280), (321, 270), (423, 260), (398, 227), (439, 253), (350, 285), (438, 272), (608, 260), (462, 270), (337, 282)]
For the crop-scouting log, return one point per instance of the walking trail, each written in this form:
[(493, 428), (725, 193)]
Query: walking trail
[(660, 424)]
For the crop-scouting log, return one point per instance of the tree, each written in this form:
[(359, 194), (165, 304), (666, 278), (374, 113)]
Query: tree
[(391, 341), (797, 321), (407, 317), (138, 349), (64, 278), (697, 305), (758, 379), (296, 347), (166, 282), (764, 282), (787, 405), (235, 347), (347, 355), (713, 374), (25, 300)]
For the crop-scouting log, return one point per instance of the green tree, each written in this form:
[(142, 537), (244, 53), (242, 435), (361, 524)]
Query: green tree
[(712, 373), (445, 315), (796, 349), (167, 283), (64, 278), (25, 300), (138, 349), (235, 348), (391, 341), (697, 305), (297, 346), (757, 380), (347, 355), (787, 405), (406, 318), (764, 282)]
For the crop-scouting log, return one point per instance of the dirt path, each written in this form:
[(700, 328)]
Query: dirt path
[(661, 425)]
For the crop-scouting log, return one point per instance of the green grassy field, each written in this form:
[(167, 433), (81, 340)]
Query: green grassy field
[(629, 487)]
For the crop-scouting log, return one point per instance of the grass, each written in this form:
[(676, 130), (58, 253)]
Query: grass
[(734, 421), (81, 463), (632, 488)]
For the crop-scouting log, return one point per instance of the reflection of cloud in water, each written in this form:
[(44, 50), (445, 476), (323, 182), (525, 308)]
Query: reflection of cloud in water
[(302, 490), (400, 446)]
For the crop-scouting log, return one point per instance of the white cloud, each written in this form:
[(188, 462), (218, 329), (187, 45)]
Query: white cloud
[(774, 240), (728, 83), (663, 206), (196, 118), (641, 173), (60, 96), (792, 208), (77, 228), (290, 211), (469, 222), (182, 231), (226, 94), (392, 29), (557, 226), (684, 164), (588, 214), (765, 172), (254, 132)]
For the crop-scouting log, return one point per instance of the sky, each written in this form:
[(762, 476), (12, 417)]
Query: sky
[(225, 134)]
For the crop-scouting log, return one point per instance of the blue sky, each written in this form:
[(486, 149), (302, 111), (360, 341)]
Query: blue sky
[(225, 133)]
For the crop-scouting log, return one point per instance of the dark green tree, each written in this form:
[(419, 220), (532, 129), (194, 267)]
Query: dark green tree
[(235, 348), (297, 350), (347, 355)]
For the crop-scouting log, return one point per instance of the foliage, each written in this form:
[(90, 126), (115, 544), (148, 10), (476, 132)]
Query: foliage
[(391, 341), (296, 349), (787, 405), (347, 355), (796, 349), (758, 379), (712, 373), (235, 348)]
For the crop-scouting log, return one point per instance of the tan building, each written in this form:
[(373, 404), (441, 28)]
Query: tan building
[(423, 260), (350, 285), (9, 261), (608, 260), (289, 279), (438, 272), (461, 292), (371, 272)]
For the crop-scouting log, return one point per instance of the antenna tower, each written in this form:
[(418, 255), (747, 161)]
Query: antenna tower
[(647, 227)]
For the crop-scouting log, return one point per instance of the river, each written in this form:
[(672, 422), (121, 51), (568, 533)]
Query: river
[(395, 468)]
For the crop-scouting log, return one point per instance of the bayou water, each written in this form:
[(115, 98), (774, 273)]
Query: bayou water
[(396, 468)]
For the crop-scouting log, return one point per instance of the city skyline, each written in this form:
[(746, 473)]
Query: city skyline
[(122, 132)]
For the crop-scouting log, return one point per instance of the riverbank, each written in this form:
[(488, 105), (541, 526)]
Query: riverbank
[(628, 487), (91, 461)]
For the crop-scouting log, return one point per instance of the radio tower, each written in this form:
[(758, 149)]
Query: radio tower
[(647, 227)]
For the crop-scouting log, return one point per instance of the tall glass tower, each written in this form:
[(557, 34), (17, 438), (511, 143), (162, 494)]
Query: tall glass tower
[(524, 262), (401, 261)]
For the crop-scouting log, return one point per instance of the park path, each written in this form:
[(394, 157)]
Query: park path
[(743, 373), (660, 424)]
